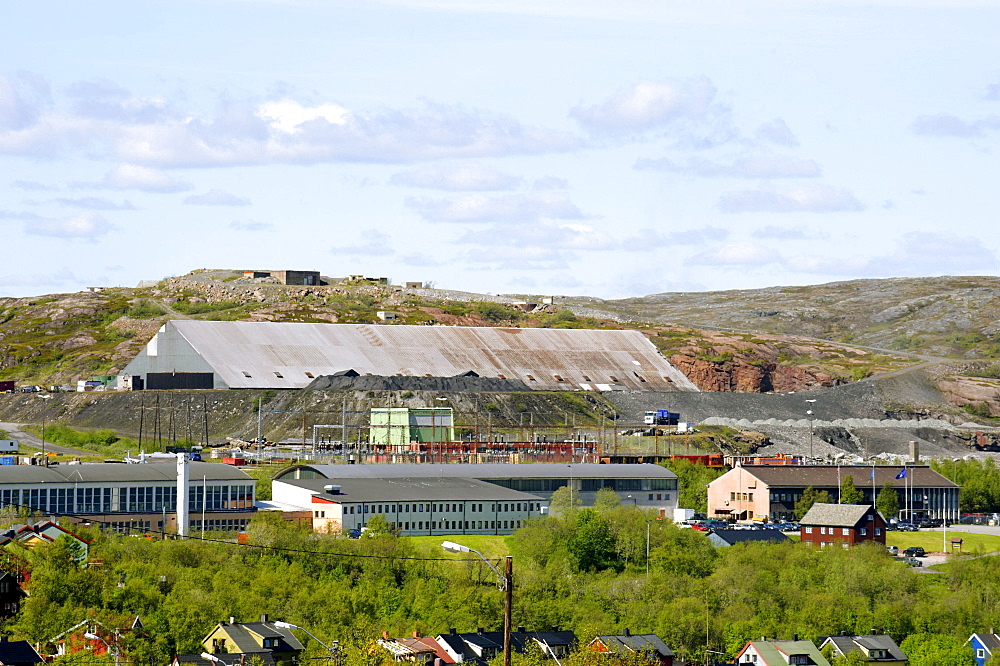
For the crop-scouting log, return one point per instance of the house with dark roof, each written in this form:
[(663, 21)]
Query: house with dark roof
[(11, 594), (415, 649), (780, 653), (876, 648), (628, 643), (481, 646), (724, 538), (233, 642), (827, 525), (18, 653), (769, 492), (984, 646)]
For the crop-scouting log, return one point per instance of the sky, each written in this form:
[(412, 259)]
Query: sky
[(550, 147)]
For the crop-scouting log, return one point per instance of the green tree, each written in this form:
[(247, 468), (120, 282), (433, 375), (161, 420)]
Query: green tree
[(607, 499), (692, 492), (887, 501), (849, 494), (937, 650), (592, 546), (564, 501), (809, 497)]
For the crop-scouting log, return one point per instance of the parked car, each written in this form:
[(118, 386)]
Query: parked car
[(907, 527), (701, 526), (913, 562), (892, 550), (914, 551)]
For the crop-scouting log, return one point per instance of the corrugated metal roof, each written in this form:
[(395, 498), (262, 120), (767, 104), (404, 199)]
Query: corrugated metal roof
[(486, 471), (254, 354), (105, 472), (414, 489)]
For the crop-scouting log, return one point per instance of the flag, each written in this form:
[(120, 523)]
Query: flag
[(902, 474), (871, 477)]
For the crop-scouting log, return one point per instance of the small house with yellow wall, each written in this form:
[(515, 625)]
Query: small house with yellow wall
[(253, 641)]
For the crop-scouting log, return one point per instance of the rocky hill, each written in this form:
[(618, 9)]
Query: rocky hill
[(780, 339)]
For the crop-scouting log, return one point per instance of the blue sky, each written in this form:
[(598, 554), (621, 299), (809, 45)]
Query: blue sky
[(546, 147)]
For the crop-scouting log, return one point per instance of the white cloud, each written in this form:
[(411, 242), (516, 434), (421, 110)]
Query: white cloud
[(527, 258), (777, 132), (735, 254), (648, 105), (649, 238), (550, 183), (216, 198), (482, 208), (134, 177), (87, 226), (813, 198), (952, 126), (250, 225), (95, 203), (457, 178), (375, 244), (930, 252), (772, 232), (29, 186), (758, 166), (544, 234), (288, 116), (23, 99)]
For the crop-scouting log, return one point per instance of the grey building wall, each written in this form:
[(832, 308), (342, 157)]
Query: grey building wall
[(168, 351)]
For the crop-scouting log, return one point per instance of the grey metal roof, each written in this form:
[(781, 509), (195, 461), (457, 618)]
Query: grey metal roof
[(254, 354), (800, 476), (731, 537), (869, 642), (636, 643), (114, 472), (414, 489), (836, 515), (493, 471)]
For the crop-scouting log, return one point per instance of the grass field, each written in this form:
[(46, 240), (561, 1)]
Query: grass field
[(492, 547), (931, 541)]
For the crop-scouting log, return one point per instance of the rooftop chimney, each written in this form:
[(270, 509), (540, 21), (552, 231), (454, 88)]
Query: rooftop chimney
[(521, 630), (874, 633), (795, 637), (453, 631), (232, 620), (385, 635), (416, 634), (628, 632)]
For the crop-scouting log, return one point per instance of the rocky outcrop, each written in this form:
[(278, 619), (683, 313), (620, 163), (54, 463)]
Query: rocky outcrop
[(741, 377)]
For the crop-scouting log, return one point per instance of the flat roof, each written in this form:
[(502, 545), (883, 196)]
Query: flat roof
[(117, 472), (831, 475), (481, 471), (430, 489)]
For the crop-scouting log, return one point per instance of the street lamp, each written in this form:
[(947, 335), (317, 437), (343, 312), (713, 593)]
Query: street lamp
[(809, 413), (333, 652), (94, 637), (505, 582)]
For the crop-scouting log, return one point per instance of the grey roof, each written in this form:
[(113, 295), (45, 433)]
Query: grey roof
[(115, 472), (836, 515), (637, 643), (240, 633), (822, 476), (278, 355), (869, 642), (730, 537), (484, 471), (417, 489), (493, 640), (18, 652), (989, 641)]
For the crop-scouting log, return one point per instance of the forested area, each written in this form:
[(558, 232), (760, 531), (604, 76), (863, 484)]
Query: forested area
[(585, 570), (979, 479)]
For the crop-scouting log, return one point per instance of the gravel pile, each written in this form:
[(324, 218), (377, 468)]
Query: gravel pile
[(461, 383)]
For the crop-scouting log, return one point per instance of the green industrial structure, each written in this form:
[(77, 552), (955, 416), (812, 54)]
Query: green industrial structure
[(400, 426)]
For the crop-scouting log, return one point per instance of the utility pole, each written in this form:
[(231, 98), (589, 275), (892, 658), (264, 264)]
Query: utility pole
[(508, 604)]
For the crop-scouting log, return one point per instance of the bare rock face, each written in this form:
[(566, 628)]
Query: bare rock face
[(980, 393), (739, 377)]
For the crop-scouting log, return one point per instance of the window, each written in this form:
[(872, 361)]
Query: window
[(847, 531), (878, 531), (809, 530), (980, 653), (863, 531)]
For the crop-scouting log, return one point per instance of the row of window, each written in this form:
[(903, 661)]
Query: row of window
[(845, 531), (442, 508), (143, 526), (458, 525), (742, 497), (129, 499), (586, 485)]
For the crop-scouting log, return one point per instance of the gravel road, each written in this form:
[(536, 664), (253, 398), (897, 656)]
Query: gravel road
[(15, 432)]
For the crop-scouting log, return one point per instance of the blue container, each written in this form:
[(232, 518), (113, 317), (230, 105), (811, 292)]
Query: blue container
[(8, 460)]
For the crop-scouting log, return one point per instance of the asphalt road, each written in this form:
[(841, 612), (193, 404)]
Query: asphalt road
[(15, 432)]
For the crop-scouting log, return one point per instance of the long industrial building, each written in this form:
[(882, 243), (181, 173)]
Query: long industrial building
[(268, 355), (644, 485), (128, 498)]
